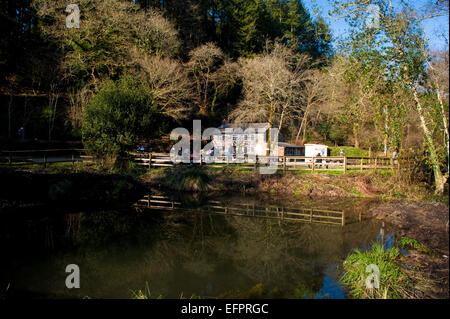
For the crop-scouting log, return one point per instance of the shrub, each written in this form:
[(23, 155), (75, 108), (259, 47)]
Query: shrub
[(119, 114)]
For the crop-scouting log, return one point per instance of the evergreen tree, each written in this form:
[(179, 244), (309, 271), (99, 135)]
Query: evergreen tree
[(238, 27)]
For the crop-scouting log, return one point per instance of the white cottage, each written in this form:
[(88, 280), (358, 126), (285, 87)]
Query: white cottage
[(243, 139), (251, 139)]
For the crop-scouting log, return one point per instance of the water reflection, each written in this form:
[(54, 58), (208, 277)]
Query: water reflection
[(179, 253)]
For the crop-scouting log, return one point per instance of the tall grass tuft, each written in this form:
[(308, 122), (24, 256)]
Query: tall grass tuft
[(393, 283), (143, 294), (190, 179)]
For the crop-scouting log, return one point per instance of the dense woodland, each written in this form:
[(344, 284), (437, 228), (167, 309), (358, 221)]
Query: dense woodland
[(134, 70)]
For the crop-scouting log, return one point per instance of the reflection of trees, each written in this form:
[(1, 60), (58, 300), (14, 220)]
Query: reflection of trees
[(280, 255), (187, 252)]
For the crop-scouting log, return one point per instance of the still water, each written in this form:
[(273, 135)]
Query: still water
[(179, 254)]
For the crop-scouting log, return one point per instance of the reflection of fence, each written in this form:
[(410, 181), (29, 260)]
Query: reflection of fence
[(285, 163), (306, 215), (46, 156)]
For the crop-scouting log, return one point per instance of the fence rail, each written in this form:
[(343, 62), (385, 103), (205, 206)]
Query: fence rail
[(46, 156), (285, 163), (308, 163), (305, 215)]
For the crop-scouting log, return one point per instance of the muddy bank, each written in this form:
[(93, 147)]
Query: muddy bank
[(428, 224), (23, 188), (313, 185)]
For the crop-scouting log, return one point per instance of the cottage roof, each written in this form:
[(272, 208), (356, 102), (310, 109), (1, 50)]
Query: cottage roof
[(244, 126), (283, 144)]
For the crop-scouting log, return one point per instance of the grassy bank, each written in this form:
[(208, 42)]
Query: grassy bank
[(401, 276), (381, 184)]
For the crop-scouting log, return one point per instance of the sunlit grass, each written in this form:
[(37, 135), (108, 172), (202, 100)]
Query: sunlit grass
[(410, 243), (393, 283), (348, 151)]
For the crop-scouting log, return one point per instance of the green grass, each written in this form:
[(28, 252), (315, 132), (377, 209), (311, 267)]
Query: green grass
[(412, 244), (348, 151), (385, 172), (143, 294), (301, 171), (193, 178), (393, 284), (56, 167), (146, 294)]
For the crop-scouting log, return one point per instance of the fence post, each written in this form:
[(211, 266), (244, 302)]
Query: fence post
[(392, 163), (256, 162), (73, 159), (345, 164), (149, 160), (313, 162), (362, 160), (284, 163)]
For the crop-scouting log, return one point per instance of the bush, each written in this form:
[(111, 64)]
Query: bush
[(121, 113)]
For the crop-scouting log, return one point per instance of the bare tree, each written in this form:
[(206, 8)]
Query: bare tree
[(272, 84), (168, 81), (438, 67), (352, 88), (204, 61), (100, 47), (50, 111), (78, 99), (314, 98), (224, 80)]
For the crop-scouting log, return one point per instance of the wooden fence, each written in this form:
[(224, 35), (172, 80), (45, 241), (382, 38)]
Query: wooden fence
[(285, 163), (306, 215), (46, 157)]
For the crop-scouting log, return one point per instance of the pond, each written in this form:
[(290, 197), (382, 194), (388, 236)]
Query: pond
[(183, 253)]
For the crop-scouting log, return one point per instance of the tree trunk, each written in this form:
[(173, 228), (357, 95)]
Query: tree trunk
[(9, 115), (301, 126), (355, 136), (439, 179)]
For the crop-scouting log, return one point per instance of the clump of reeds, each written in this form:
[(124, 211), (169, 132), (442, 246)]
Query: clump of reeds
[(393, 283)]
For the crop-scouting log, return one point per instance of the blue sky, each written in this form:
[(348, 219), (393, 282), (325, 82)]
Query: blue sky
[(432, 27)]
